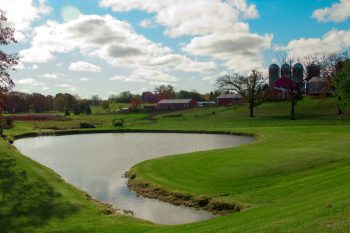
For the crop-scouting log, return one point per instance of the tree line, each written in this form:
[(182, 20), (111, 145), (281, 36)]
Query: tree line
[(19, 102)]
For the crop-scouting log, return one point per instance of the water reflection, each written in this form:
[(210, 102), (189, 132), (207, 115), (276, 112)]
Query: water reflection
[(96, 163)]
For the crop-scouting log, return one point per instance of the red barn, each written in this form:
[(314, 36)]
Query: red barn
[(229, 99), (175, 104)]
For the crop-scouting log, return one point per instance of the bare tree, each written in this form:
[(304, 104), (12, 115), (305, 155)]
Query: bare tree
[(290, 83), (328, 66), (249, 87)]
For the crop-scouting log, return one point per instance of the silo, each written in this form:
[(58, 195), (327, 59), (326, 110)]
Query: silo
[(313, 70), (274, 71), (286, 71), (298, 76), (298, 72)]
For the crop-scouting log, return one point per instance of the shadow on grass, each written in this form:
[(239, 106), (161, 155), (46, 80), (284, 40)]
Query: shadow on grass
[(27, 203)]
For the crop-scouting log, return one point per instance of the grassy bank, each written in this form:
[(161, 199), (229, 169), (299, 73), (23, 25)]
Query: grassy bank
[(294, 178)]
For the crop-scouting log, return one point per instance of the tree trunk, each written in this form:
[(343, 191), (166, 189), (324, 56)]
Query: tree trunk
[(251, 110), (292, 109)]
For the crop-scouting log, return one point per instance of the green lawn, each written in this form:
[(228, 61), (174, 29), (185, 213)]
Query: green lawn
[(293, 178)]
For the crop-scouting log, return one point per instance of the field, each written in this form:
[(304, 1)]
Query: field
[(293, 178)]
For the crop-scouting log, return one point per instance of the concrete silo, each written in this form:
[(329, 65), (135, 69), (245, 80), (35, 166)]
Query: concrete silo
[(286, 71), (274, 71), (298, 76), (313, 70)]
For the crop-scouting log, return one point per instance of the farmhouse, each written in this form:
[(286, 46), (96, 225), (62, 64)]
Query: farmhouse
[(174, 104), (318, 86), (229, 99)]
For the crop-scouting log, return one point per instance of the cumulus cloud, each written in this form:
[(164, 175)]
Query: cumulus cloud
[(84, 66), (52, 75), (113, 40), (216, 27), (338, 12), (22, 13), (84, 79), (34, 67), (67, 87), (210, 79), (332, 42), (143, 75), (30, 83)]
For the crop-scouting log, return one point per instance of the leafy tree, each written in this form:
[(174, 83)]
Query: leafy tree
[(164, 92), (88, 110), (62, 102), (342, 86), (125, 97), (105, 104), (113, 98), (7, 61), (39, 103), (182, 94), (95, 100), (16, 102), (249, 87)]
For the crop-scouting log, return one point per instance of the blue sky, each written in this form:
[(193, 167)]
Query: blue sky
[(105, 47)]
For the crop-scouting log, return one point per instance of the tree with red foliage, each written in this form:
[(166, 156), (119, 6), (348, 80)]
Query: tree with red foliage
[(7, 61), (135, 102)]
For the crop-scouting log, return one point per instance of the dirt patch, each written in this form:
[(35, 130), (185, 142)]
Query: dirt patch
[(215, 205)]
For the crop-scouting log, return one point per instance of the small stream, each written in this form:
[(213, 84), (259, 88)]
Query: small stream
[(96, 163)]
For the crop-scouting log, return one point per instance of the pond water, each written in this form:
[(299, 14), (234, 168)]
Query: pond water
[(96, 163)]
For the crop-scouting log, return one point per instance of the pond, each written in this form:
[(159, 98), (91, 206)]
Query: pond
[(96, 163)]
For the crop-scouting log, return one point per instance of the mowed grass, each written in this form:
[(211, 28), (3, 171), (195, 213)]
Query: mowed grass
[(293, 178)]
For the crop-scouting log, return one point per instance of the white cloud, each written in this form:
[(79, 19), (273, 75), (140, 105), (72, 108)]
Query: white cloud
[(67, 87), (34, 67), (84, 79), (26, 81), (52, 75), (84, 66), (338, 12), (30, 83), (143, 75), (210, 79), (196, 17), (332, 42), (241, 52), (147, 23), (22, 13), (216, 27), (117, 77), (122, 47)]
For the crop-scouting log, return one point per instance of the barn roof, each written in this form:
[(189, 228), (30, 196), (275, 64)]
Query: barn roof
[(175, 101), (229, 96), (318, 80)]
